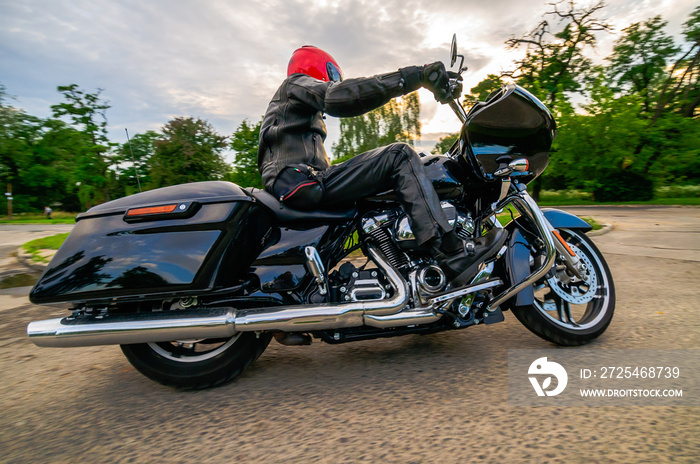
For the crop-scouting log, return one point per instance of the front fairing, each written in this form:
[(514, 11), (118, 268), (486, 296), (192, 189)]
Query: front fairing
[(511, 123)]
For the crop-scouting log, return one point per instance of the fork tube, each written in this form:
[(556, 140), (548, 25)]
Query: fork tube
[(528, 207), (459, 110)]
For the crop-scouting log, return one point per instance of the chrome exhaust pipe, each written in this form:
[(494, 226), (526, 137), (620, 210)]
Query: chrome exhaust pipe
[(304, 318), (161, 326), (217, 322)]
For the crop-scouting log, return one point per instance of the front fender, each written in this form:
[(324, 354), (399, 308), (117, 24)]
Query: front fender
[(518, 255), (563, 220)]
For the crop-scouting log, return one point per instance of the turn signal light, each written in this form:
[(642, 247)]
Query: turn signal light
[(563, 242), (151, 210)]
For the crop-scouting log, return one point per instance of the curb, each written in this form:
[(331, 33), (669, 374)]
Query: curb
[(25, 259), (606, 228)]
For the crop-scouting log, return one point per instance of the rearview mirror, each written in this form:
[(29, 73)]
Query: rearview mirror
[(453, 50)]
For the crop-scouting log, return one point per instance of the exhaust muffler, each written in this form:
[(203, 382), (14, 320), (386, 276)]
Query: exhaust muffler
[(161, 326)]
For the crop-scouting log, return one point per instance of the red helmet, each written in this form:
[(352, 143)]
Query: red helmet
[(316, 63)]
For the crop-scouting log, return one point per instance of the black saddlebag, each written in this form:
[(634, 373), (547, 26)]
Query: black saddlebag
[(182, 240)]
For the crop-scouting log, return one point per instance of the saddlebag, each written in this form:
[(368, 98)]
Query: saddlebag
[(175, 241)]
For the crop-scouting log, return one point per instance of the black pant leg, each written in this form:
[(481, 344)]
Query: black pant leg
[(395, 166)]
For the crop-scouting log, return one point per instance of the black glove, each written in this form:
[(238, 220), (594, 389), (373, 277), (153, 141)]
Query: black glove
[(435, 78), (457, 91)]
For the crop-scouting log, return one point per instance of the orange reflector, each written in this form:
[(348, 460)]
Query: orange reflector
[(152, 210), (566, 245)]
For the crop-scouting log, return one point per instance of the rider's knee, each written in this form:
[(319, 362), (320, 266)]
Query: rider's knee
[(403, 151)]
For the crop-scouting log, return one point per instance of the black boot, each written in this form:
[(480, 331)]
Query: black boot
[(460, 259)]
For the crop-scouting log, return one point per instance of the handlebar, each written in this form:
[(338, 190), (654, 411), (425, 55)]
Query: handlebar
[(458, 109)]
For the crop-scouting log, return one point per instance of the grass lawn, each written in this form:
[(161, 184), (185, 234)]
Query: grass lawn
[(19, 280), (655, 201), (505, 217), (34, 247), (679, 195), (26, 218)]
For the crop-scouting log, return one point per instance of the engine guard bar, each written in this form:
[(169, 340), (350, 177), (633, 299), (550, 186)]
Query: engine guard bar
[(528, 207)]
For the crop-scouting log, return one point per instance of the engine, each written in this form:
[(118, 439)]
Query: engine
[(391, 232)]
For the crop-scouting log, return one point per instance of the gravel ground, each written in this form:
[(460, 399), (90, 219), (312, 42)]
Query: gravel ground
[(414, 399)]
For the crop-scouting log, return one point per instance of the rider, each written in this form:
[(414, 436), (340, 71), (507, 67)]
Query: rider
[(295, 167)]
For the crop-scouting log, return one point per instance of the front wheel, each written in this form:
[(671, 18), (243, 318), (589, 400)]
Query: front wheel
[(570, 311), (197, 364)]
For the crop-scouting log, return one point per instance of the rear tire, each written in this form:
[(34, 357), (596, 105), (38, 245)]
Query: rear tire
[(197, 364), (576, 311)]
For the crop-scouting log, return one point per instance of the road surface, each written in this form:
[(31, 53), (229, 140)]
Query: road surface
[(415, 399)]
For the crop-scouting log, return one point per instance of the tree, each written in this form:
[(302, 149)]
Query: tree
[(482, 90), (244, 143), (142, 148), (397, 121), (681, 90), (36, 157), (601, 140), (639, 58), (444, 144), (88, 114), (86, 110), (554, 62), (189, 151)]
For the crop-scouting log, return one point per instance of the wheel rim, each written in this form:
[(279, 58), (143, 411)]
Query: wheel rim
[(574, 304), (193, 350)]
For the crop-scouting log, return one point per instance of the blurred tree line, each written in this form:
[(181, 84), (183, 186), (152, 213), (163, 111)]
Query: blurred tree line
[(640, 123), (397, 121), (67, 161)]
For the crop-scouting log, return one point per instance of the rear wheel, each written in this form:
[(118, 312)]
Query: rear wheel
[(571, 311), (197, 364)]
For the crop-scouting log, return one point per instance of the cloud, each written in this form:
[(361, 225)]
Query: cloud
[(222, 60)]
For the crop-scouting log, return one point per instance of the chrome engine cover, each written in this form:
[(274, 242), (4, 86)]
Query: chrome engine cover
[(462, 222)]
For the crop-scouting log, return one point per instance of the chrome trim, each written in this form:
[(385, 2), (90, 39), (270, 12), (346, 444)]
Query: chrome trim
[(466, 224), (465, 290), (528, 207), (375, 222), (459, 110), (505, 188), (367, 286), (432, 288), (404, 318), (161, 326), (404, 231), (468, 299), (315, 266)]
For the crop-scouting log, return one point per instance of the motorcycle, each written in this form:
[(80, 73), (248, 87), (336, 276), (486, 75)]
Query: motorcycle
[(194, 280)]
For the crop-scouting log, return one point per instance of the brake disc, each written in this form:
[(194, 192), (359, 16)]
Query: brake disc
[(574, 290)]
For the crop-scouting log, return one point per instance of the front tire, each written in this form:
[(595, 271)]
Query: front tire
[(569, 311), (196, 364)]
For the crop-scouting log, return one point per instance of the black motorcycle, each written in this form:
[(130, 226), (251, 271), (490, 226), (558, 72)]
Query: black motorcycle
[(194, 280)]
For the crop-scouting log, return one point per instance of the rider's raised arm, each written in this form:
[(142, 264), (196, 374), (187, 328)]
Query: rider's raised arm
[(353, 97)]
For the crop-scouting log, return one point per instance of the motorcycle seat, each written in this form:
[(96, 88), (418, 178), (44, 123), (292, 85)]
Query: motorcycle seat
[(287, 215)]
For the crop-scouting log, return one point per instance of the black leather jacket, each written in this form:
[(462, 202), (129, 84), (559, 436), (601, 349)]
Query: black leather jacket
[(293, 131)]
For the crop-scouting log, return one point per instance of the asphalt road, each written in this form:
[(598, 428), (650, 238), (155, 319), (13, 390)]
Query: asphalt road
[(415, 399)]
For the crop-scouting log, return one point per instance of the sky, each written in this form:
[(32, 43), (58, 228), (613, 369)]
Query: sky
[(223, 60)]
